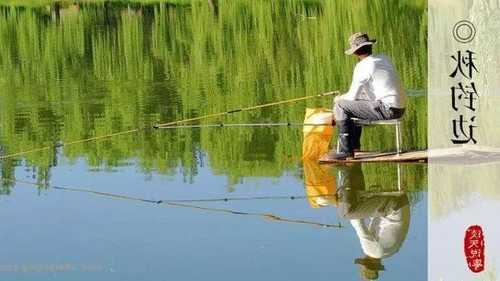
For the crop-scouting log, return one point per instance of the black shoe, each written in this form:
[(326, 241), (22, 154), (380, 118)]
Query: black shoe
[(345, 150)]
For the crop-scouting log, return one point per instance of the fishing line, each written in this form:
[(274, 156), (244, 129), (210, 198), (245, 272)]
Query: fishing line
[(62, 144), (182, 204), (48, 147), (251, 198)]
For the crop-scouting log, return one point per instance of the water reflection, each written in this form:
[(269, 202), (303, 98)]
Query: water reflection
[(381, 221), (380, 217), (319, 185)]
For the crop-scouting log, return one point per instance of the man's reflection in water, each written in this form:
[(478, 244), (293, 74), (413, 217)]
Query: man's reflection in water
[(380, 221)]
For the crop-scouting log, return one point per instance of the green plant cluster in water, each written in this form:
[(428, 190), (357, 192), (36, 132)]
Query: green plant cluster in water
[(72, 71)]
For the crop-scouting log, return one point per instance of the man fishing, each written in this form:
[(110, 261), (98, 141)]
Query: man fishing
[(375, 94)]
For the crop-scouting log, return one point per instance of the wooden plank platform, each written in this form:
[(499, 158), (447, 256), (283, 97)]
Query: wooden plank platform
[(408, 156)]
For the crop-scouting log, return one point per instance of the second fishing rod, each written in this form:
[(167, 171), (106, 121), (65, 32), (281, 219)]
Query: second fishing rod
[(219, 114), (235, 125)]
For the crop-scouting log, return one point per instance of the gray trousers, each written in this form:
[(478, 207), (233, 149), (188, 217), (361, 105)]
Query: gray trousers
[(345, 110), (365, 109)]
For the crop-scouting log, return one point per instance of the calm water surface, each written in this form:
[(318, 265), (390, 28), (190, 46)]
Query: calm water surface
[(132, 207)]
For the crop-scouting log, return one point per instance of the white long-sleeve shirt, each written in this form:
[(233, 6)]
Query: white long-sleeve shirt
[(383, 236), (375, 78)]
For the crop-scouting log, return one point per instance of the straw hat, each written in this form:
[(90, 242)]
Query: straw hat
[(358, 40)]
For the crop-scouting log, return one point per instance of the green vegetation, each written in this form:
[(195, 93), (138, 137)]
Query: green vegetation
[(67, 3), (90, 69)]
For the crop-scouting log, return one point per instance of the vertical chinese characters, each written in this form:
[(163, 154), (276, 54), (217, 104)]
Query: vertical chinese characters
[(464, 97)]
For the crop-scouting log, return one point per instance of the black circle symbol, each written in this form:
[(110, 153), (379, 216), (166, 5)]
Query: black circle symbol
[(464, 31)]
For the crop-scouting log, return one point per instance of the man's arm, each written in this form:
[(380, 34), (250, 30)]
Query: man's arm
[(360, 77), (368, 240), (362, 230)]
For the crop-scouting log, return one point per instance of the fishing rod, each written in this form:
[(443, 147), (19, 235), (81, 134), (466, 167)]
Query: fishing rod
[(157, 126), (231, 125), (182, 204)]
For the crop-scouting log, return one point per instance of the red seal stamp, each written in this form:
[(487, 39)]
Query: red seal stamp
[(474, 248)]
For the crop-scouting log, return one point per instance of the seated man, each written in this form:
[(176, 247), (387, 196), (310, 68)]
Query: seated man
[(375, 94)]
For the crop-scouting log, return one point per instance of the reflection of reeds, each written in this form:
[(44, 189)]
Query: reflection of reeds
[(457, 185), (384, 177), (100, 71)]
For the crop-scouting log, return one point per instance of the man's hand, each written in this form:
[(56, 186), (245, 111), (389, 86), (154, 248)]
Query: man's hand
[(337, 98)]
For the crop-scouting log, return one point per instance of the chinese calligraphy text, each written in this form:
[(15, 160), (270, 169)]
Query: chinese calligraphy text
[(464, 97)]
